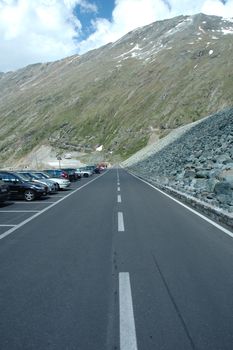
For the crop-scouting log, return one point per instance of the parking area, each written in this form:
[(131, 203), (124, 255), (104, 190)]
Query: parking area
[(15, 212)]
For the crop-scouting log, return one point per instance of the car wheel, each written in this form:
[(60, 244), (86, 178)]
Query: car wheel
[(85, 175), (29, 195)]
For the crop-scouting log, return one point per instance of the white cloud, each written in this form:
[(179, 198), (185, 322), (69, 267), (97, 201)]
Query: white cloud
[(38, 30), (46, 30), (217, 8)]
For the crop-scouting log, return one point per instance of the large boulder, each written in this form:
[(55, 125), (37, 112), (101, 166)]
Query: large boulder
[(224, 188), (227, 176)]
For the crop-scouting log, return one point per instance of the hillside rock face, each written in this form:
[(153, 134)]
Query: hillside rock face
[(153, 80), (198, 163)]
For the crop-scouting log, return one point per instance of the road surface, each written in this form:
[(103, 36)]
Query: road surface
[(113, 265)]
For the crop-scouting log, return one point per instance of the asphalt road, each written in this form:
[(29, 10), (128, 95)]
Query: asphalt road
[(113, 265)]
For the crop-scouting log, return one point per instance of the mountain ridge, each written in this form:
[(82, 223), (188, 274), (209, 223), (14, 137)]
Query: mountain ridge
[(152, 80)]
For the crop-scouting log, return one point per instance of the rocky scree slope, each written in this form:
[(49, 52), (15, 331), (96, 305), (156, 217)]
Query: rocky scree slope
[(149, 82), (197, 163)]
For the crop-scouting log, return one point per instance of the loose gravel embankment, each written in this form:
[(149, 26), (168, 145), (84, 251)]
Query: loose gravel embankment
[(195, 163)]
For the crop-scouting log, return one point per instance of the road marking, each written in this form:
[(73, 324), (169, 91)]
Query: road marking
[(19, 211), (128, 339), (118, 198), (229, 233), (8, 225), (118, 188), (35, 202), (13, 229), (121, 226), (118, 179)]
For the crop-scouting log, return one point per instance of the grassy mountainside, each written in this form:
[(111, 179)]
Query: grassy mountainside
[(154, 79)]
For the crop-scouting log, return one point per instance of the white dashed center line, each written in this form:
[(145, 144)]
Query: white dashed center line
[(128, 340), (119, 198), (121, 227), (118, 188)]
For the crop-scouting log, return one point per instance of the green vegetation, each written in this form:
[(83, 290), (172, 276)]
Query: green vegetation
[(112, 98)]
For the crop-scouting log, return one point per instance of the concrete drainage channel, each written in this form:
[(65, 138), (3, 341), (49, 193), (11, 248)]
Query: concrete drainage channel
[(14, 213)]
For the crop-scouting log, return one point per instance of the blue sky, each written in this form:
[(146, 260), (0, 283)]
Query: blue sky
[(48, 30), (104, 10)]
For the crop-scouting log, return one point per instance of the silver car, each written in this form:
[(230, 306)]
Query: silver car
[(60, 183), (33, 177), (84, 172)]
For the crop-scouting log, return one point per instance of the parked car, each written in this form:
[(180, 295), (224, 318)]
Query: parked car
[(84, 172), (73, 175), (34, 178), (57, 173), (93, 168), (61, 183), (4, 191), (20, 187)]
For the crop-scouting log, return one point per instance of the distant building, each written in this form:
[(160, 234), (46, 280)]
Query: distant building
[(67, 156)]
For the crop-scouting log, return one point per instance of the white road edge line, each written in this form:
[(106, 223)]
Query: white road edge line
[(223, 229), (8, 232), (128, 339), (121, 226), (118, 198)]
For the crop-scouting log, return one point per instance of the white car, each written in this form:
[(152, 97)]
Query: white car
[(62, 183), (84, 172)]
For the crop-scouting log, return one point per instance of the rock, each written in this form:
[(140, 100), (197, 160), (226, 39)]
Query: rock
[(215, 173), (227, 175), (202, 159), (209, 165), (210, 184), (199, 162), (223, 159), (222, 188), (189, 165), (230, 151), (229, 165), (173, 173), (199, 184), (225, 199), (210, 196), (202, 174), (189, 173)]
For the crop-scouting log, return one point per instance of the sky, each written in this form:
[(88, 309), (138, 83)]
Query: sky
[(34, 31)]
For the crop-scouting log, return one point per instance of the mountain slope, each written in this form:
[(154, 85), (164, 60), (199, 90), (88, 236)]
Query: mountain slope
[(154, 79)]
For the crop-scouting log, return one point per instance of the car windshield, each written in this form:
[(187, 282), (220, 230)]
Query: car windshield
[(24, 177), (43, 175), (35, 176), (39, 176)]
